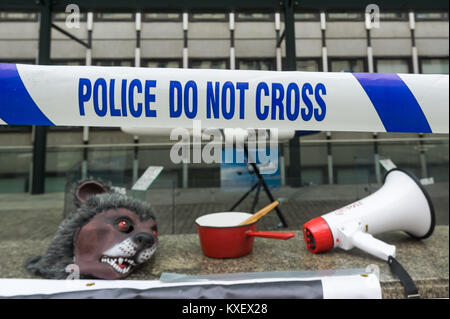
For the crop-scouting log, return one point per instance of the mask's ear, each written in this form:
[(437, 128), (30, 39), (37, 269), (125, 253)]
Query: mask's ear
[(89, 188)]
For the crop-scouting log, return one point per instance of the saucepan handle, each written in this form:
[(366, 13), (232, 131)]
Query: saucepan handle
[(272, 235)]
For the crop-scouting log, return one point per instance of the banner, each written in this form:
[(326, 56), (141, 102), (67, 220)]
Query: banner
[(162, 98), (258, 286)]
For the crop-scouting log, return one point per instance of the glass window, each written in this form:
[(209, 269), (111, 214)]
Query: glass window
[(266, 65), (18, 61), (113, 63), (162, 16), (204, 177), (68, 62), (432, 15), (393, 15), (162, 64), (436, 66), (313, 158), (353, 163), (353, 65), (209, 16), (208, 64), (306, 16), (392, 66), (106, 16), (353, 175), (62, 16), (345, 16), (308, 65), (314, 176), (247, 16), (18, 16)]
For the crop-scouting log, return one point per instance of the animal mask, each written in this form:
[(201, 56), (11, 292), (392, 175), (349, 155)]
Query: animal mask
[(108, 237), (113, 243)]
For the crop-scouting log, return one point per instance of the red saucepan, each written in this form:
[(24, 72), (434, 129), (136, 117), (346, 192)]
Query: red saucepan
[(220, 237)]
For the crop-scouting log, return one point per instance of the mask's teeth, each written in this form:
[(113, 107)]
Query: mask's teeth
[(113, 263)]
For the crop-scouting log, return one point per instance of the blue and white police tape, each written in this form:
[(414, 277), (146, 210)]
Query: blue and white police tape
[(162, 98)]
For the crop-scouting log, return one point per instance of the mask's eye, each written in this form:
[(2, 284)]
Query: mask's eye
[(124, 225)]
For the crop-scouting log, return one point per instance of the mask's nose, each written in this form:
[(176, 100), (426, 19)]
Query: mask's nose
[(143, 240)]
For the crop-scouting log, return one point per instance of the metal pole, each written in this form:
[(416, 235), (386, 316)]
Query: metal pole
[(294, 170), (330, 160), (289, 30), (40, 132), (423, 158)]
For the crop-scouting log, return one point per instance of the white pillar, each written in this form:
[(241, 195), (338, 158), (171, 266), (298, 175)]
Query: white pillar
[(414, 54), (232, 51), (185, 48), (278, 48), (323, 27), (370, 60)]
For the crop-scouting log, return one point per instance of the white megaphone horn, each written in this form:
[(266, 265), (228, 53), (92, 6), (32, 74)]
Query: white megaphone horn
[(402, 203)]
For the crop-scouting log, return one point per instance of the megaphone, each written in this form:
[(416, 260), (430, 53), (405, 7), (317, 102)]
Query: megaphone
[(402, 203)]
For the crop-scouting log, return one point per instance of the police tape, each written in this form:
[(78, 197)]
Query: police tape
[(162, 98)]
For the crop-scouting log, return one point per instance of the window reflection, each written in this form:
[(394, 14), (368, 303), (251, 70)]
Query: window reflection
[(432, 15), (209, 16), (162, 64), (308, 65), (436, 66), (107, 16), (161, 16), (351, 65), (265, 65), (208, 64), (18, 16), (392, 66), (344, 16)]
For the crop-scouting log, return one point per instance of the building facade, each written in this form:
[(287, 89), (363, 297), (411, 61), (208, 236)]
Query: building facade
[(404, 42)]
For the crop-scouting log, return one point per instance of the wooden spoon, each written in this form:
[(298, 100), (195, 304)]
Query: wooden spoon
[(256, 216)]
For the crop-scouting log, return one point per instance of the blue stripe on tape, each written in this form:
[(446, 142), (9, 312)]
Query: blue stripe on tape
[(16, 105), (395, 104)]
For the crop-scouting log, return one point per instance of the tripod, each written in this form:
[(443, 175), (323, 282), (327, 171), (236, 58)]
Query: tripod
[(260, 183)]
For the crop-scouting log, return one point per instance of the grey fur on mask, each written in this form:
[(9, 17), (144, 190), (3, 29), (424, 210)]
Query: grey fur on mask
[(60, 252)]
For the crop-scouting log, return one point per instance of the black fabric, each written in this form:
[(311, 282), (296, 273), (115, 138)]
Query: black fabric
[(411, 291), (301, 289)]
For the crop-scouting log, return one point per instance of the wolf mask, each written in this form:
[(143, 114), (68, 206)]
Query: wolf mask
[(107, 237)]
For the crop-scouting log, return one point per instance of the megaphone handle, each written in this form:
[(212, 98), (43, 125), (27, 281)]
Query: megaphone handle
[(411, 291), (373, 246)]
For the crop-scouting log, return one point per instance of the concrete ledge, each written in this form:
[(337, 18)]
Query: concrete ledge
[(426, 261)]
